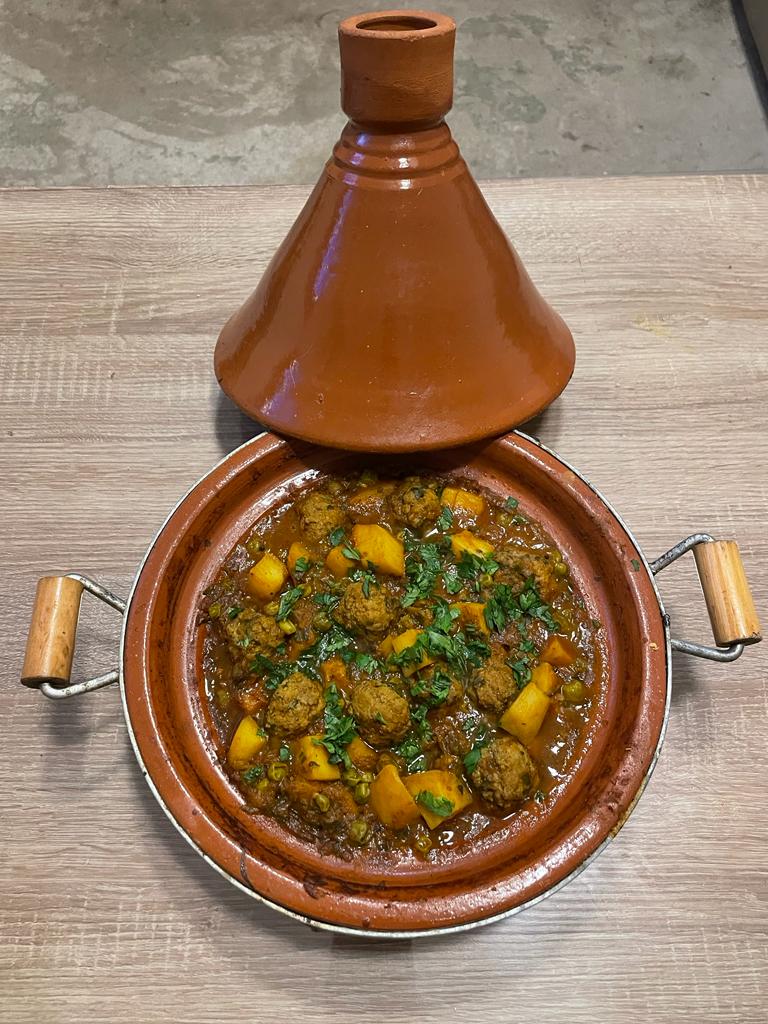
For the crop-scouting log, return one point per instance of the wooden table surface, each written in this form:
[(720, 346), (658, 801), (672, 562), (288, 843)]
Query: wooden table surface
[(109, 306)]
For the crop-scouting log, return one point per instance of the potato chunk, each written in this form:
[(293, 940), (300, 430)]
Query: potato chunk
[(559, 651), (472, 613), (297, 551), (312, 760), (334, 671), (392, 804), (466, 541), (361, 755), (545, 678), (338, 562), (402, 642), (524, 716), (248, 740), (379, 548), (465, 501), (266, 578), (443, 795)]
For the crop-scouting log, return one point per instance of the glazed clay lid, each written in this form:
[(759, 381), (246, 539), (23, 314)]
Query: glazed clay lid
[(395, 316)]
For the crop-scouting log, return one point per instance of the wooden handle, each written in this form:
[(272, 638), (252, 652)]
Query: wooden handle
[(729, 600), (51, 639)]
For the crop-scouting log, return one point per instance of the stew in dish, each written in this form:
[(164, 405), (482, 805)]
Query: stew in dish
[(395, 664)]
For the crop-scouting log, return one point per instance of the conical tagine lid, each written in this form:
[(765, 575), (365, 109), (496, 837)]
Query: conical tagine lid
[(395, 316)]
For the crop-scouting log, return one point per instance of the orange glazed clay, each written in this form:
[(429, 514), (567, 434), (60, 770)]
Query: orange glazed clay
[(395, 316)]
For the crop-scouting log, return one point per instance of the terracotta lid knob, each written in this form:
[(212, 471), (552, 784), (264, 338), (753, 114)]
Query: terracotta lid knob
[(397, 67)]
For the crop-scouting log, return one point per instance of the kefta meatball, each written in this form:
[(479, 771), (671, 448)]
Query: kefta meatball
[(319, 514), (362, 612), (495, 685), (415, 504), (436, 688), (382, 715), (519, 565), (252, 632), (505, 773), (294, 706)]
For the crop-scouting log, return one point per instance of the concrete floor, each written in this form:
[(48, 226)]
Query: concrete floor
[(103, 92)]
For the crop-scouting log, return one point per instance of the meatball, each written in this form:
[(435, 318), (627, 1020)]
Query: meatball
[(382, 714), (251, 632), (519, 565), (342, 806), (436, 688), (495, 685), (319, 514), (365, 613), (415, 504), (505, 773), (295, 704)]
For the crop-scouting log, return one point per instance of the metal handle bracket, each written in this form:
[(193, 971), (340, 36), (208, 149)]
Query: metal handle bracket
[(51, 640), (737, 589)]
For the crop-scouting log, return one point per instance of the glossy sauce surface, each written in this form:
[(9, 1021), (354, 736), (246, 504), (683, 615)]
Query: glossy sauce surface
[(372, 704)]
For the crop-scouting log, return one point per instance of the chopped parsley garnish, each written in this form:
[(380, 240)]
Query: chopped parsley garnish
[(443, 615), (504, 606), (284, 754), (480, 740), (339, 728), (274, 672), (301, 565), (472, 758), (233, 612), (439, 805), (434, 690), (253, 774), (365, 576), (423, 728), (423, 565), (288, 601), (635, 564), (336, 536), (351, 553), (334, 641), (445, 520), (327, 601), (469, 569), (532, 604), (522, 672), (511, 503), (367, 663), (410, 750)]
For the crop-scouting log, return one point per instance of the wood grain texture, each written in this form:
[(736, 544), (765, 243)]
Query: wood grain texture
[(52, 630), (110, 302), (730, 604)]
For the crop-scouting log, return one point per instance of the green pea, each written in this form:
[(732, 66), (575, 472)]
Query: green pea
[(575, 692), (321, 802), (362, 792), (505, 519), (560, 569), (272, 608), (214, 611), (352, 776), (423, 844), (358, 830), (277, 771), (262, 784), (254, 545), (321, 622)]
